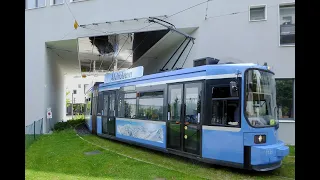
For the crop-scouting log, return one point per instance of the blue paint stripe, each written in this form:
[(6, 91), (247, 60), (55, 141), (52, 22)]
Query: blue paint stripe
[(222, 145), (99, 125)]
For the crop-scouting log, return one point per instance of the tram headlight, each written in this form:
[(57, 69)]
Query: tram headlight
[(260, 139)]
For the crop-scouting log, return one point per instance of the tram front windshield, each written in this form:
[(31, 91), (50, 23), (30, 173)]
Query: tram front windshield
[(260, 98)]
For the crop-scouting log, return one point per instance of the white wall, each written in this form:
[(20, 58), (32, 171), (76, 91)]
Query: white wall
[(72, 83), (79, 96), (155, 65), (233, 37), (287, 132), (54, 89)]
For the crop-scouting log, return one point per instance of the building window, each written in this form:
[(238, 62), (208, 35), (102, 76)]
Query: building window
[(31, 4), (127, 105), (150, 106), (287, 24), (74, 91), (285, 98), (258, 13), (57, 2)]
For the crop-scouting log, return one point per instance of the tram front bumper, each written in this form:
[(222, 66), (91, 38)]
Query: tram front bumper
[(268, 157)]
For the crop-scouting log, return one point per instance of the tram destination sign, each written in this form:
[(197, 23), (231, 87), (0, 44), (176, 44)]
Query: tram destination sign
[(124, 75)]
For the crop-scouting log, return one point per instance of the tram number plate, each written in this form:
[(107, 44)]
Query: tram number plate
[(269, 152)]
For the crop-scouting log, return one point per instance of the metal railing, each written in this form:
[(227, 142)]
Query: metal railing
[(33, 132)]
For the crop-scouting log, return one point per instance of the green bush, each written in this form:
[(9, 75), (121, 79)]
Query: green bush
[(67, 125), (78, 117)]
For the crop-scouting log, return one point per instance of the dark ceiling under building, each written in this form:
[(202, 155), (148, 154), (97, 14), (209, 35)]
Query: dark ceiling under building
[(144, 41)]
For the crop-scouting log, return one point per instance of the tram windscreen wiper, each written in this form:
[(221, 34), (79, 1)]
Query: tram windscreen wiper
[(263, 103)]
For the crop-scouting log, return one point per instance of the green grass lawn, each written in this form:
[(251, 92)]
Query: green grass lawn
[(29, 139), (61, 156), (292, 151)]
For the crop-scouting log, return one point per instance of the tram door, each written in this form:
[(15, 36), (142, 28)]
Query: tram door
[(109, 113), (94, 104), (183, 123)]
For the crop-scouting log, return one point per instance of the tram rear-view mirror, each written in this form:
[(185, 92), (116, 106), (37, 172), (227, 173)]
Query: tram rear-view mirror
[(233, 89)]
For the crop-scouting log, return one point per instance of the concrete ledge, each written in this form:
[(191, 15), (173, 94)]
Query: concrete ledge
[(287, 121)]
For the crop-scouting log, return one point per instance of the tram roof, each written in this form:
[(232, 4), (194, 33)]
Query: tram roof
[(205, 70), (91, 87)]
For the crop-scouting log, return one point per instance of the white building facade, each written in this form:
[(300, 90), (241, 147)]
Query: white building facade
[(77, 87), (256, 31)]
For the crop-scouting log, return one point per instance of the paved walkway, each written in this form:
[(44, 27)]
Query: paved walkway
[(82, 130)]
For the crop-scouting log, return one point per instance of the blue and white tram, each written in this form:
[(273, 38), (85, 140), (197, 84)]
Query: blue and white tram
[(222, 114)]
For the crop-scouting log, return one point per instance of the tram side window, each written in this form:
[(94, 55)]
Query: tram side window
[(127, 103), (193, 102), (150, 106), (225, 108), (100, 104)]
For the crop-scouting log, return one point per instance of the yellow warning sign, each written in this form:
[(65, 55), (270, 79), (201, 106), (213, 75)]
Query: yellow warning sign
[(75, 25)]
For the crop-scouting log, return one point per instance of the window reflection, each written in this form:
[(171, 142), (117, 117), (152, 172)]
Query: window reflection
[(175, 103), (127, 105), (285, 98), (193, 104), (151, 108)]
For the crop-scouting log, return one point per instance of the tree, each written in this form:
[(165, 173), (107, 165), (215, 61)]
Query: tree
[(67, 99)]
